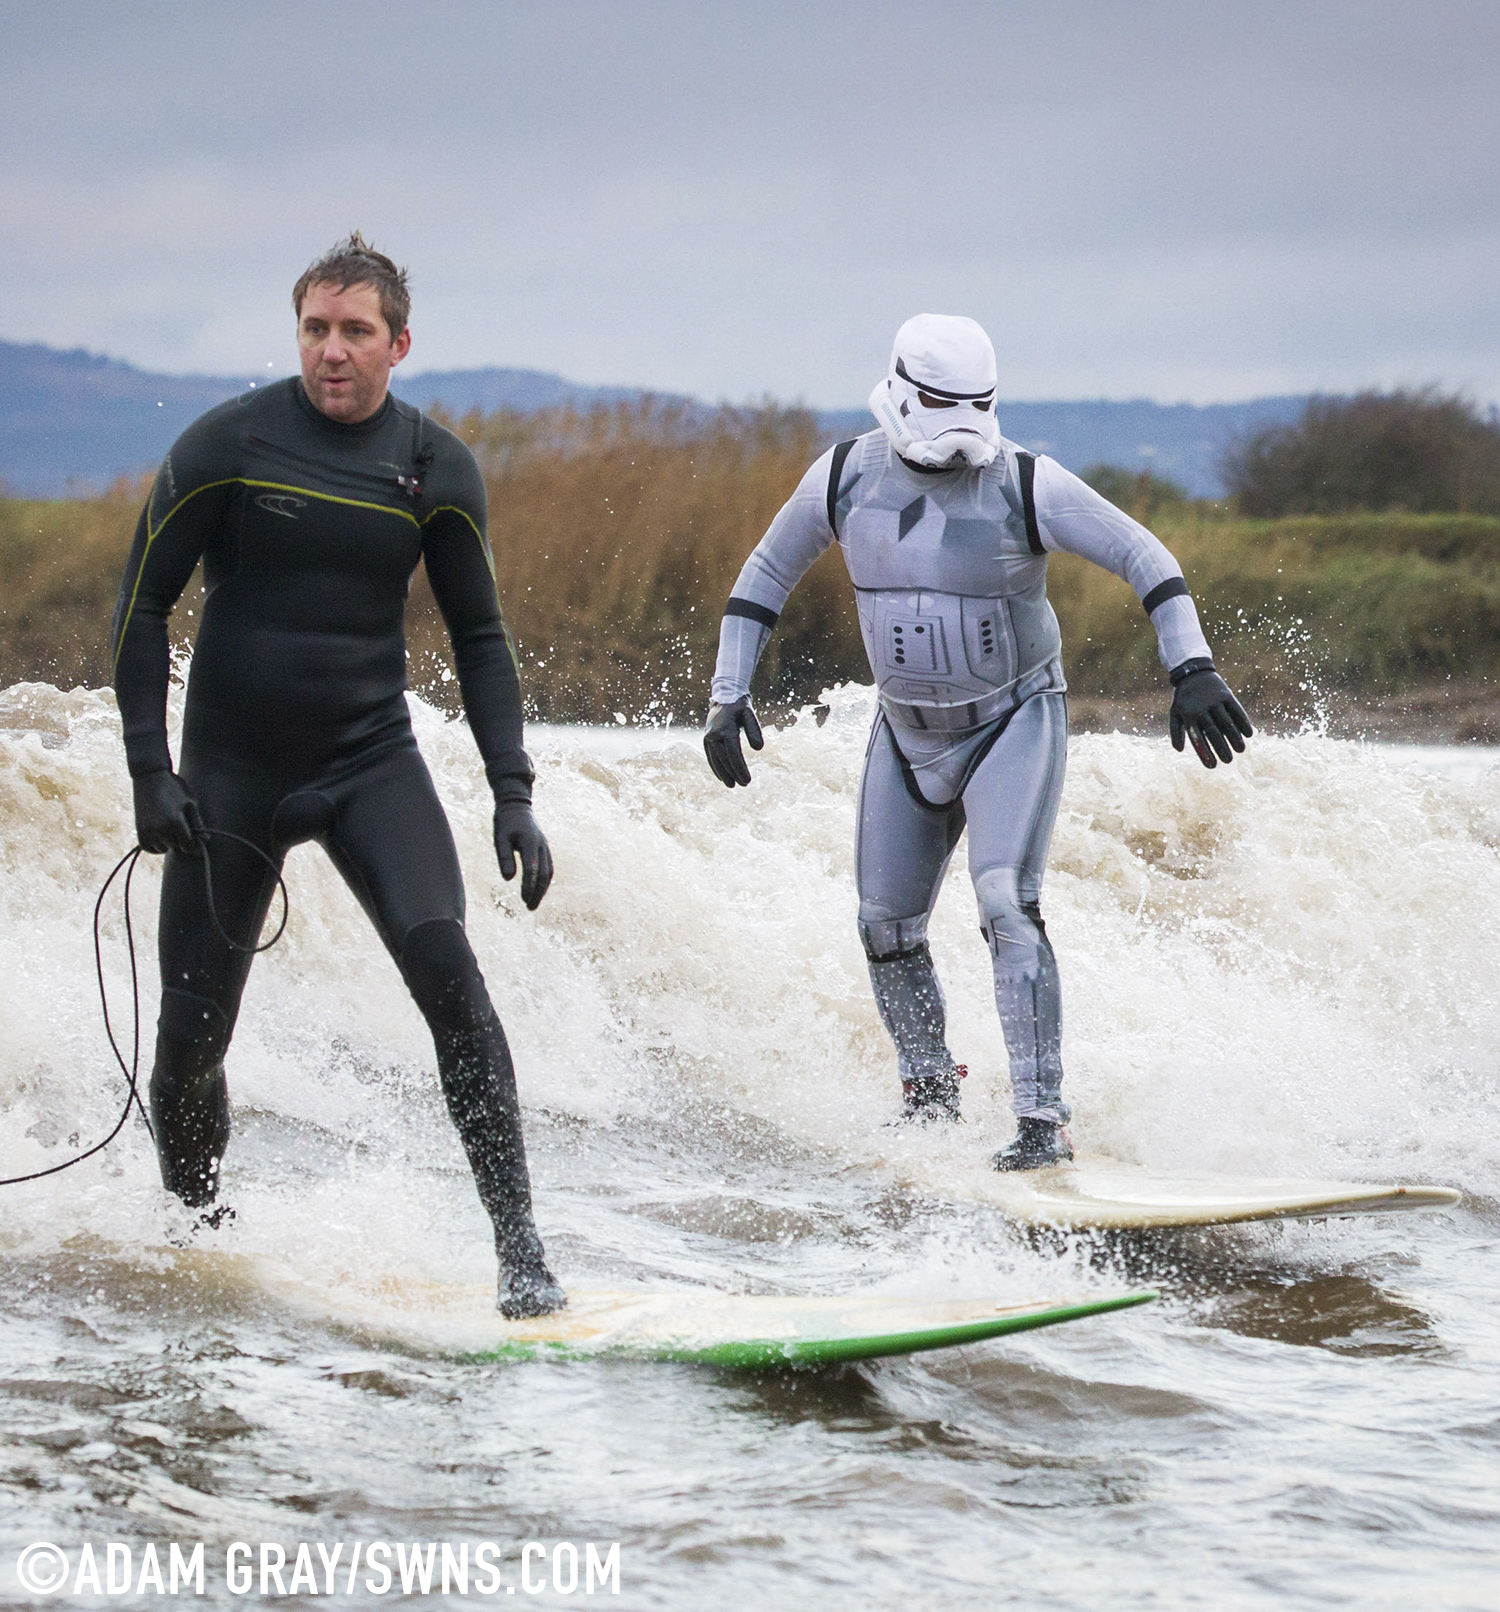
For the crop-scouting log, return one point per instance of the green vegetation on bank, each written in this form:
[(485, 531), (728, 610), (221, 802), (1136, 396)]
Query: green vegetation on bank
[(1362, 605), (618, 534)]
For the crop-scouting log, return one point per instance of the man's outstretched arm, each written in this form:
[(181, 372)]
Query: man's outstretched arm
[(187, 503)]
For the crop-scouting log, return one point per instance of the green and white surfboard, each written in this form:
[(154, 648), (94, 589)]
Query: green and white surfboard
[(460, 1320), (726, 1329)]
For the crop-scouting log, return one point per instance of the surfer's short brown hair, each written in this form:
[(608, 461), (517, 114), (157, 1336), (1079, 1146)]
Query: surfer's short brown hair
[(355, 262)]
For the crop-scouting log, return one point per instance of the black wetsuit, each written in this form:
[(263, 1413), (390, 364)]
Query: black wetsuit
[(297, 728)]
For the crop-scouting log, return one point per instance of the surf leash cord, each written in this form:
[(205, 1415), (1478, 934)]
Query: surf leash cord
[(131, 1071)]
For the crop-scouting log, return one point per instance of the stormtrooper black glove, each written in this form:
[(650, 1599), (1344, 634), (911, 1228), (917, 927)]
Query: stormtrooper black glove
[(721, 741), (1205, 711)]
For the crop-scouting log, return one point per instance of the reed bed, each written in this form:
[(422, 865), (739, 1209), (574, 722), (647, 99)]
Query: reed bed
[(617, 535), (618, 532)]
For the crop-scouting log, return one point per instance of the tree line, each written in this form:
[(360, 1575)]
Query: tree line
[(1421, 452)]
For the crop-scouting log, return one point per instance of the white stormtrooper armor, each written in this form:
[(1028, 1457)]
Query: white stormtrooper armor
[(950, 570), (952, 590)]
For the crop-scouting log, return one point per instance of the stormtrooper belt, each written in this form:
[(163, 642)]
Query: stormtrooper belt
[(964, 718)]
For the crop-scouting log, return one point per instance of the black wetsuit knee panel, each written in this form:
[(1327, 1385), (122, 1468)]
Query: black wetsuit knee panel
[(441, 972)]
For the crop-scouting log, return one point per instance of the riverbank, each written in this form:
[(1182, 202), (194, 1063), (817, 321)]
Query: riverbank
[(618, 533)]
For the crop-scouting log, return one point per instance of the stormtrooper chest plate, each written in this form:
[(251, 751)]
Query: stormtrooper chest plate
[(969, 544)]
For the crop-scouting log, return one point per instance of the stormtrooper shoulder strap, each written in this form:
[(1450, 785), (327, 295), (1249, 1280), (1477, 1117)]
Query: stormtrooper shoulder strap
[(835, 475), (1026, 475)]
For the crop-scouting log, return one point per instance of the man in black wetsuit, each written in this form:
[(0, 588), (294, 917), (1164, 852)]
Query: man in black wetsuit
[(310, 502)]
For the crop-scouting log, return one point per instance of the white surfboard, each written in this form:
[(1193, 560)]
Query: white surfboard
[(1103, 1194)]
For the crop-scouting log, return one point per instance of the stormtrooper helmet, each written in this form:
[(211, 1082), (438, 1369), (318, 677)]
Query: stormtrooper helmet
[(937, 403)]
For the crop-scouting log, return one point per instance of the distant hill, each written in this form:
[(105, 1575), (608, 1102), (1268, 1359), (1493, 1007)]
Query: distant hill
[(73, 421), (76, 420), (1181, 440), (489, 389)]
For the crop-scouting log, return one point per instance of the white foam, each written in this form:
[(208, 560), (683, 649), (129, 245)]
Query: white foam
[(1283, 966)]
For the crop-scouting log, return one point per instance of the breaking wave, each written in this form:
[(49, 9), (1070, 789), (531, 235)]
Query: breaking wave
[(1284, 966)]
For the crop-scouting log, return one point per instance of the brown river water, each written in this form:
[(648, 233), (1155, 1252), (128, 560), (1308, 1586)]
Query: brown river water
[(1285, 967)]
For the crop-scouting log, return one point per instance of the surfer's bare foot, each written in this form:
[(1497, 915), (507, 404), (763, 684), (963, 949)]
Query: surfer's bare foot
[(529, 1290), (926, 1098), (1038, 1143)]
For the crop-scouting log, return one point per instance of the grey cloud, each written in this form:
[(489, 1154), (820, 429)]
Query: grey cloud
[(1162, 199)]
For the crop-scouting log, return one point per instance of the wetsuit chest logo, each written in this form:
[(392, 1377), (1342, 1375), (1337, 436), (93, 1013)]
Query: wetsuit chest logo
[(287, 504)]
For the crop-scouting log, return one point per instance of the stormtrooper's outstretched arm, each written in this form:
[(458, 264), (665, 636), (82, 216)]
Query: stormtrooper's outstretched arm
[(1073, 518), (798, 535)]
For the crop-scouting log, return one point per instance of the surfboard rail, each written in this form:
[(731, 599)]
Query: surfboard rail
[(1104, 1195)]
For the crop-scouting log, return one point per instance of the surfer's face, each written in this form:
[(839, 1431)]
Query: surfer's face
[(347, 350)]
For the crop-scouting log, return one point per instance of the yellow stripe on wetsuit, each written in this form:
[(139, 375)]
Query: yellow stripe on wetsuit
[(152, 533)]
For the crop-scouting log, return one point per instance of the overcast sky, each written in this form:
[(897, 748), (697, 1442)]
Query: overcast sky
[(743, 197)]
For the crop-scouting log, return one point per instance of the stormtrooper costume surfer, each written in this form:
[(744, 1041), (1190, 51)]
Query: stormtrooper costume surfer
[(945, 528)]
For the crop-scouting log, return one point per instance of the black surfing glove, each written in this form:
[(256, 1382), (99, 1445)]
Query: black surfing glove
[(166, 816), (517, 837), (721, 740), (1204, 710)]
